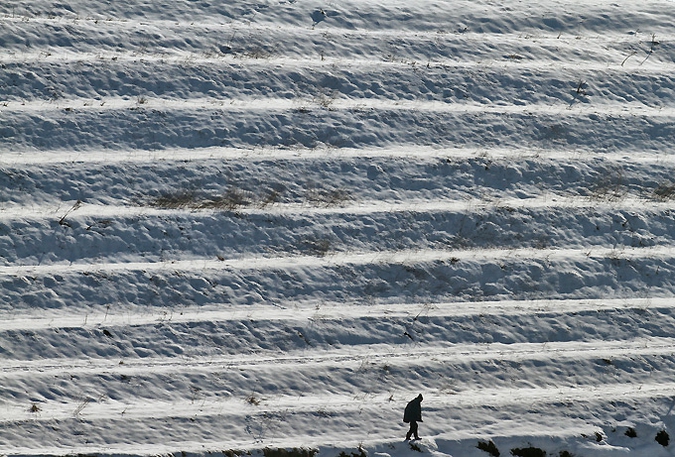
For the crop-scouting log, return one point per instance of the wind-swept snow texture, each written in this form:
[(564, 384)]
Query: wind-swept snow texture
[(232, 227)]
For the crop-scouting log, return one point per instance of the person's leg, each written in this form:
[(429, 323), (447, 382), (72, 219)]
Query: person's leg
[(415, 430), (413, 427), (412, 431)]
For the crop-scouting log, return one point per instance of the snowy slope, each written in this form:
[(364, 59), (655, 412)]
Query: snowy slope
[(235, 226)]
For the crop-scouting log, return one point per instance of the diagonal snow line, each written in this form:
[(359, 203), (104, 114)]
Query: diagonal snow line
[(403, 257), (171, 57), (18, 157), (510, 398), (558, 395), (279, 25), (297, 311), (605, 40), (351, 357), (267, 105), (547, 201)]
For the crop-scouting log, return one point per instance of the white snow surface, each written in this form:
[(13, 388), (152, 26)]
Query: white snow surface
[(230, 228)]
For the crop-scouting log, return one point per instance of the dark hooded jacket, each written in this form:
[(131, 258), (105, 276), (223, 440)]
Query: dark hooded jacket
[(413, 411)]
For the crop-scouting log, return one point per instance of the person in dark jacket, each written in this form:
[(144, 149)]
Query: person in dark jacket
[(413, 415)]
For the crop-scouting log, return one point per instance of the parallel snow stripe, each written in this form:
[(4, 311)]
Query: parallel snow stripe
[(103, 409), (316, 311), (17, 157), (352, 25), (403, 257), (254, 28), (608, 128), (364, 207), (350, 357), (271, 105), (162, 55)]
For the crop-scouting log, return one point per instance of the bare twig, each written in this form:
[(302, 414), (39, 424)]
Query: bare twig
[(77, 204)]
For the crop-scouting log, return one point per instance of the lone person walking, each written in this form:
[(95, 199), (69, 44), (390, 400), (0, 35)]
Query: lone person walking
[(413, 414)]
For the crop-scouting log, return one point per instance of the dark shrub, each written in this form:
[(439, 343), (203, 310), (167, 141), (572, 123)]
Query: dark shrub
[(488, 447), (295, 452), (662, 438), (361, 453), (528, 452)]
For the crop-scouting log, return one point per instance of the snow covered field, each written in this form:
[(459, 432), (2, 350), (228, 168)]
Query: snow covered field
[(231, 227)]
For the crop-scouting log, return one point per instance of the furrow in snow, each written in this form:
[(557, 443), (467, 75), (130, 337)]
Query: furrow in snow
[(384, 277), (350, 358), (234, 411), (230, 179), (507, 127), (265, 336), (263, 27), (100, 234), (371, 14), (344, 84), (335, 33)]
